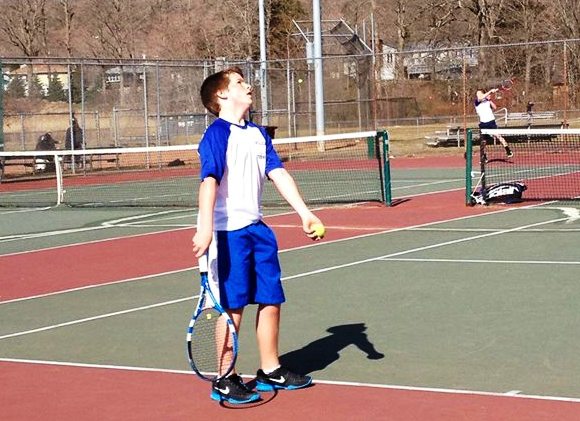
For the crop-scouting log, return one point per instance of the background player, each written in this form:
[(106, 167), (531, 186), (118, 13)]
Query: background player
[(485, 107)]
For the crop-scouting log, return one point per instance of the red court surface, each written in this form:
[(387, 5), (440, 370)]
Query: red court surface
[(108, 261), (33, 392)]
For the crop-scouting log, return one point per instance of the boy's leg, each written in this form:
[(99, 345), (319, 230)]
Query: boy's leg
[(504, 143), (267, 333), (236, 316), (232, 388), (272, 376)]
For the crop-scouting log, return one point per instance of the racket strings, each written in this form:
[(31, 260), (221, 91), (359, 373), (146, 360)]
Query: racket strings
[(507, 84), (212, 344)]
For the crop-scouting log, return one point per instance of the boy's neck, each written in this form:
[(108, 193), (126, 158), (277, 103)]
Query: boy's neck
[(235, 117)]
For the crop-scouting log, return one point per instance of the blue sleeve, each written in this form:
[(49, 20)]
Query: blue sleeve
[(212, 152), (272, 159)]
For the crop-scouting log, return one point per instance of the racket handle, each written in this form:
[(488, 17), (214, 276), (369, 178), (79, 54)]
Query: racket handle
[(202, 261)]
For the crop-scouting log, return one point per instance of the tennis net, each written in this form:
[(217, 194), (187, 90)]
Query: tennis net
[(546, 161), (343, 168)]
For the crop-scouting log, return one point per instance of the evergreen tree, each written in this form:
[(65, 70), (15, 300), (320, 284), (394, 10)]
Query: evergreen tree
[(75, 85), (35, 89), (15, 88), (55, 89)]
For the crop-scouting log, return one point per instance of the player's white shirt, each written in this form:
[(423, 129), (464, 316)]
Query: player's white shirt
[(239, 158), (484, 110)]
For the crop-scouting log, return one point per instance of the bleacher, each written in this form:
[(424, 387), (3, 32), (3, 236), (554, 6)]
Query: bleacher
[(454, 135)]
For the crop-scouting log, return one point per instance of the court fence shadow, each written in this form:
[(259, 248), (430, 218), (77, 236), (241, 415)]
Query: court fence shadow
[(322, 352)]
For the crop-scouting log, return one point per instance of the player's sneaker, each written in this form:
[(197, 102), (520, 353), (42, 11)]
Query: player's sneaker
[(281, 378), (232, 389), (510, 154)]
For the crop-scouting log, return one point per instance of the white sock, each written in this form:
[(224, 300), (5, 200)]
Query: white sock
[(272, 370)]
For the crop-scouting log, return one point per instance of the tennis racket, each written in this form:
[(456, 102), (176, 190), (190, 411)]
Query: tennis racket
[(212, 341), (506, 85)]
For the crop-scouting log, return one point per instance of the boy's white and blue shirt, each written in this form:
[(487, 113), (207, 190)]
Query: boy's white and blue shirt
[(239, 158), (484, 110)]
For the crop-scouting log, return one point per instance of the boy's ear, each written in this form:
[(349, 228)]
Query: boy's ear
[(222, 94)]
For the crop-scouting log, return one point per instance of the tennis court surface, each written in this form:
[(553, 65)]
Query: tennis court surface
[(426, 310)]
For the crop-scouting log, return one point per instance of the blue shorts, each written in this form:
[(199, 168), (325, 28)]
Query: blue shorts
[(248, 267), (488, 125)]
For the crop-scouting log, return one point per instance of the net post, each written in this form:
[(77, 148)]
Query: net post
[(468, 168), (482, 161), (59, 179), (371, 146), (386, 168)]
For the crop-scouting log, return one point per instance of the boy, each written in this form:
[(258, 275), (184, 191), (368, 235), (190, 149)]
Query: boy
[(485, 107), (236, 157)]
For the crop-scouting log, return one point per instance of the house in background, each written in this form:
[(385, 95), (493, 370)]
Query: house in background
[(129, 75), (421, 61), (43, 73)]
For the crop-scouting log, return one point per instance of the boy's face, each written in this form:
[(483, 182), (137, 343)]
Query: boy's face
[(238, 93)]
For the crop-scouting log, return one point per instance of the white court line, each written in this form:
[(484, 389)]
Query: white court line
[(301, 275), (104, 225), (432, 183), (101, 316), (423, 194), (432, 246), (508, 395), (508, 262), (494, 229), (24, 210), (325, 243), (15, 237), (66, 291), (110, 225), (103, 240)]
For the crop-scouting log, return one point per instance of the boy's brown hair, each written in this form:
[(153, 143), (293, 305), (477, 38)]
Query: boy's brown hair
[(212, 85)]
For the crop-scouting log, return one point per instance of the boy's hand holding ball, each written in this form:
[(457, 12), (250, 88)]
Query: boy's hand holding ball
[(318, 232)]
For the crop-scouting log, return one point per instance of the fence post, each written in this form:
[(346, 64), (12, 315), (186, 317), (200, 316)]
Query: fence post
[(468, 163)]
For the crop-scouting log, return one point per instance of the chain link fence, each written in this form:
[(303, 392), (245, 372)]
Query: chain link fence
[(156, 102)]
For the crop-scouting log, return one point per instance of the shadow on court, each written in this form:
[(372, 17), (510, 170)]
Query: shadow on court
[(322, 352)]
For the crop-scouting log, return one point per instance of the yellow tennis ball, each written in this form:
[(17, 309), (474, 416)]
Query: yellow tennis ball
[(319, 230)]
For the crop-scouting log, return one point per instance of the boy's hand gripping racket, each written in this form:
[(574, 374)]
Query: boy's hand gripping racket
[(212, 341)]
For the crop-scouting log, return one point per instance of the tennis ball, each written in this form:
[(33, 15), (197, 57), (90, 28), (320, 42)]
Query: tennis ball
[(319, 230)]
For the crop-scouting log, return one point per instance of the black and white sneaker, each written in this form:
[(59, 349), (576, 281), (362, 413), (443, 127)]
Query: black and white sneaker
[(281, 378), (232, 389)]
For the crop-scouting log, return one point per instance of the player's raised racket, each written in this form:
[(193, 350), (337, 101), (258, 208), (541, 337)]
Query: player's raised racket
[(212, 342), (506, 85)]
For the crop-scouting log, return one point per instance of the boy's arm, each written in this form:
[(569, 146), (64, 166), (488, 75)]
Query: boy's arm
[(287, 187), (491, 91), (207, 197)]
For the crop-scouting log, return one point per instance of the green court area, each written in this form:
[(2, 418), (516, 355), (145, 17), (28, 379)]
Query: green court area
[(484, 303)]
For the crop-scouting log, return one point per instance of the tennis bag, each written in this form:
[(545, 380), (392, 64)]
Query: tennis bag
[(508, 192)]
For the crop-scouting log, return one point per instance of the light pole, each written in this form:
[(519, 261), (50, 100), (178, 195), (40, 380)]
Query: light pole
[(263, 64), (318, 73)]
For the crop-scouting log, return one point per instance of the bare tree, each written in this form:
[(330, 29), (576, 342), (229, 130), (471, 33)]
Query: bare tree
[(24, 24), (567, 16), (488, 15), (116, 28), (527, 21), (67, 19)]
